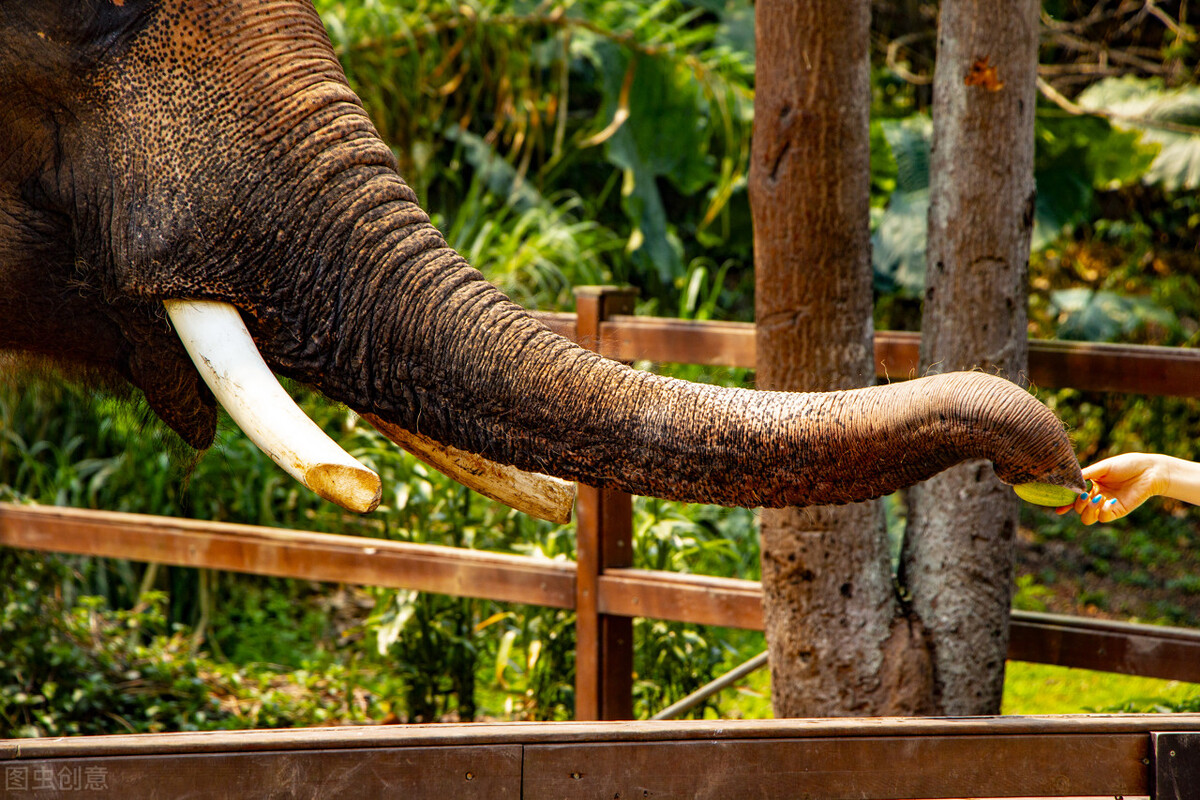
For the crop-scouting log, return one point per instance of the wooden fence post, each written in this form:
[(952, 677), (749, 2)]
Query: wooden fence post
[(604, 538)]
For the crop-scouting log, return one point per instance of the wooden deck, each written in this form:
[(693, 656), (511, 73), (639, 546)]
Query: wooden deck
[(875, 758)]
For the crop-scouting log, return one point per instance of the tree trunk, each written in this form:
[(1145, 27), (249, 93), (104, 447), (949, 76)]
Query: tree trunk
[(958, 553), (837, 647)]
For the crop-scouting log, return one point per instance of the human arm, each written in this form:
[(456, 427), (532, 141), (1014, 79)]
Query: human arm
[(1122, 483)]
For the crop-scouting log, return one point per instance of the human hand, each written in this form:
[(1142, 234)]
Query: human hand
[(1119, 485)]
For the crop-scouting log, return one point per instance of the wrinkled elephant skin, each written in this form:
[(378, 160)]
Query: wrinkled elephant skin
[(157, 150)]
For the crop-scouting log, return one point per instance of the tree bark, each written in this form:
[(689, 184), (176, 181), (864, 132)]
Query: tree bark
[(958, 553), (837, 644)]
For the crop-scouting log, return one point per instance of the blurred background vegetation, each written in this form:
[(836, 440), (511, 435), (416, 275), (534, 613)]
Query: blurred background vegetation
[(567, 143)]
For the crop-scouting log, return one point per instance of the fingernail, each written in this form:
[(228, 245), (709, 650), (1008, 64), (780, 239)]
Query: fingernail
[(1111, 502), (1097, 498), (1083, 496)]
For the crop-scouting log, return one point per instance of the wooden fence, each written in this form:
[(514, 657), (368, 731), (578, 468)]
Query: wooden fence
[(602, 587)]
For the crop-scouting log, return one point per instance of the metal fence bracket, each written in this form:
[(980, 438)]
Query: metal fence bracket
[(1176, 765)]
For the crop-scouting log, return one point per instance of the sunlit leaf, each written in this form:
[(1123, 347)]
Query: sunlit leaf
[(1169, 118), (1103, 316)]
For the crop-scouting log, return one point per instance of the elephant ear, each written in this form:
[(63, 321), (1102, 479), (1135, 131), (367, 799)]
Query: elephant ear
[(174, 391), (182, 401)]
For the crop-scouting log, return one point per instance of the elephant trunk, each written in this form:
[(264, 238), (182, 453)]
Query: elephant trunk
[(425, 343), (346, 286)]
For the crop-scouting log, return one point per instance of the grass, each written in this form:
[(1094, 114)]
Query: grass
[(1044, 689), (1028, 689)]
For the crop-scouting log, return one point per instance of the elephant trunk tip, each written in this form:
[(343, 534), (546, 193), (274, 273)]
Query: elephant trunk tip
[(1035, 454), (1026, 442)]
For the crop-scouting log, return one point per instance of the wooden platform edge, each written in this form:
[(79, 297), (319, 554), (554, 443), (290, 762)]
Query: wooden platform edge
[(868, 758), (479, 733)]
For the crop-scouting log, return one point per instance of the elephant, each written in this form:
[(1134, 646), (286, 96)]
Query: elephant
[(168, 159)]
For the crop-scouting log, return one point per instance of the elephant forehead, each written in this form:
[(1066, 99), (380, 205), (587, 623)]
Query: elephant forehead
[(201, 72)]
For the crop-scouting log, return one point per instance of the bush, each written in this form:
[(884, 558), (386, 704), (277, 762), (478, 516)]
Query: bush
[(87, 669)]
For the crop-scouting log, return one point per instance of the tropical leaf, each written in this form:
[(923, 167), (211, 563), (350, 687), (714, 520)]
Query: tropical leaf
[(737, 28), (909, 140), (643, 111), (652, 107), (1076, 155), (898, 243), (1169, 118), (1064, 198), (1103, 316), (498, 176)]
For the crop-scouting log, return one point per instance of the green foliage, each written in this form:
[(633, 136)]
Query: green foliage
[(268, 620), (898, 241), (533, 663), (1169, 118), (85, 668), (1102, 316), (1074, 157), (73, 669), (707, 540), (433, 651), (680, 659), (1044, 689), (535, 250), (647, 105), (652, 108), (1030, 595)]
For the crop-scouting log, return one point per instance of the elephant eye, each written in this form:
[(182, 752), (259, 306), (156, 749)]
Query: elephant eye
[(87, 27), (113, 21)]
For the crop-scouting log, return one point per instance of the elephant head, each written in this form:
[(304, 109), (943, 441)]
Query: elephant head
[(159, 151)]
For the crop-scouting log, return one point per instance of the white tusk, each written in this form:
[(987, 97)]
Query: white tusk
[(538, 495), (221, 347)]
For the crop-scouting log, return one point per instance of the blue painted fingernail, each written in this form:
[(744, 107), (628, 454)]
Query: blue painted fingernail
[(1083, 495), (1097, 498), (1111, 502)]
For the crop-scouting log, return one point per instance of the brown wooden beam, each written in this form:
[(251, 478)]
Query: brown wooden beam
[(603, 642), (1090, 366), (603, 539), (1122, 647), (1133, 649), (1111, 646), (874, 769), (700, 599), (413, 773), (507, 733), (729, 344), (290, 554)]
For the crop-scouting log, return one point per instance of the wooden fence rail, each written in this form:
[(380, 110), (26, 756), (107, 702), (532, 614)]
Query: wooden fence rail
[(1149, 650), (602, 587), (1090, 366)]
